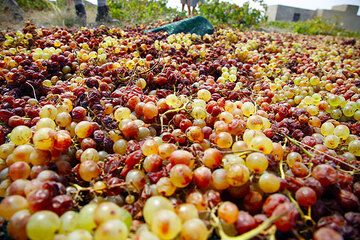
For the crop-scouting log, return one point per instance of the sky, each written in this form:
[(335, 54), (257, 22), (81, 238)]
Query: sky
[(308, 4)]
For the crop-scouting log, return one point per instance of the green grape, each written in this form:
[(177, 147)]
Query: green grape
[(187, 211), (333, 100), (153, 205), (327, 128), (42, 225), (336, 113), (254, 122), (112, 229), (342, 132), (173, 101), (331, 141), (122, 113), (293, 157), (248, 109), (237, 175), (68, 221), (354, 147), (45, 123), (349, 110), (257, 162), (204, 95), (86, 217), (198, 103), (48, 111), (194, 229), (262, 143), (20, 135), (269, 183), (79, 234), (166, 224), (357, 115), (199, 113)]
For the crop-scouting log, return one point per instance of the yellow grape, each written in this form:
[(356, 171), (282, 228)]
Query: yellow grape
[(20, 135)]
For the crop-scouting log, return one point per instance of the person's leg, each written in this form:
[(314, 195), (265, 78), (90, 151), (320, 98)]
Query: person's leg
[(80, 12), (103, 14), (189, 7)]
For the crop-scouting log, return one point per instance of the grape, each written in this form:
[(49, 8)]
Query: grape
[(181, 175), (150, 110), (79, 235), (244, 223), (326, 233), (48, 111), (63, 119), (166, 224), (198, 113), (194, 229), (254, 122), (181, 157), (327, 128), (122, 113), (135, 180), (269, 183), (153, 205), (173, 101), (89, 170), (212, 158), (19, 170), (6, 149), (354, 147), (20, 135), (90, 154), (293, 157), (202, 177), (305, 196), (166, 149), (257, 162), (45, 123), (111, 229), (85, 220), (84, 129), (195, 134), (44, 139), (165, 187), (218, 179), (186, 211), (239, 146), (230, 159), (248, 109), (288, 220), (262, 144), (325, 174), (120, 146), (224, 140), (17, 225), (228, 212), (237, 175), (204, 95), (152, 163), (68, 222), (197, 199), (331, 141), (12, 204), (149, 147), (42, 225)]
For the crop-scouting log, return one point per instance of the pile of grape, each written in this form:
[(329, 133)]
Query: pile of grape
[(110, 133)]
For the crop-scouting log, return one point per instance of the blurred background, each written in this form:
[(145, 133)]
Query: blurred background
[(327, 17)]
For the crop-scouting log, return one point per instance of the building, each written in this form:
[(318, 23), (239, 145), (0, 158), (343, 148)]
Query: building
[(343, 15)]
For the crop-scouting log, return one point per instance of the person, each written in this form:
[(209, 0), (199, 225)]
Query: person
[(193, 4), (102, 16), (14, 8), (186, 2)]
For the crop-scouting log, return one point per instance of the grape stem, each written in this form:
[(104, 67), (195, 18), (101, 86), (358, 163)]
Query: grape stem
[(33, 89), (302, 214), (171, 111), (248, 235)]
